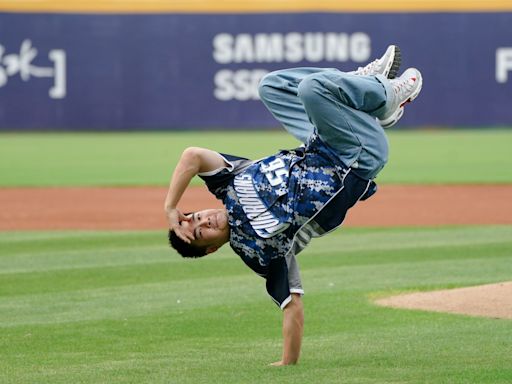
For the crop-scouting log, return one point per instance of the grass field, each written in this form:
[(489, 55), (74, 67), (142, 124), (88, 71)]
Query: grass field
[(148, 158), (120, 307)]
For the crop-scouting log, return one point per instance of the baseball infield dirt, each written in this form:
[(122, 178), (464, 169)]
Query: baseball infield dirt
[(142, 208)]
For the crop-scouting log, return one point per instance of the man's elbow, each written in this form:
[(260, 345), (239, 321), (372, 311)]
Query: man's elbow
[(191, 154), (295, 304), (294, 313), (191, 158)]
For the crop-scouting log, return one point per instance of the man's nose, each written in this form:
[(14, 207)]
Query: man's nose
[(205, 222)]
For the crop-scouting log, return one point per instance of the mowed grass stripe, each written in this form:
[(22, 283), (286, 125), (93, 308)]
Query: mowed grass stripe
[(72, 270), (425, 354), (125, 275), (124, 301), (178, 295), (37, 252), (134, 159)]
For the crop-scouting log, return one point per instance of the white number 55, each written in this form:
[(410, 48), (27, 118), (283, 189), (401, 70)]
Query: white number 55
[(275, 171)]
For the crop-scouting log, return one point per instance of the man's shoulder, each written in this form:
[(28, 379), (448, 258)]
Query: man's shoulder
[(218, 180)]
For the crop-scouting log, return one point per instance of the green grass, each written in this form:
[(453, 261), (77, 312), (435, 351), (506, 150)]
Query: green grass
[(76, 159), (90, 159), (120, 307)]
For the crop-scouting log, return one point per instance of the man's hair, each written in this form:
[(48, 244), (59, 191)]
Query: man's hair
[(185, 249)]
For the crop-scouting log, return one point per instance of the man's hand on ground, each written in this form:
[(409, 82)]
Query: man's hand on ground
[(280, 363)]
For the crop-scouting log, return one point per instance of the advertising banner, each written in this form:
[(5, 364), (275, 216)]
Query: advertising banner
[(183, 71)]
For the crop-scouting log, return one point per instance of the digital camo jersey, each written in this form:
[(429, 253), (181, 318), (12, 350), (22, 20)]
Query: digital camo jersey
[(277, 204)]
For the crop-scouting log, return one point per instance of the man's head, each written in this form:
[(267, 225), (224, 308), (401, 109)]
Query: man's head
[(210, 231)]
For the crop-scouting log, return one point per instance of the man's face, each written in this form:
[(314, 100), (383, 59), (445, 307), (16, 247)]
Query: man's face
[(209, 227)]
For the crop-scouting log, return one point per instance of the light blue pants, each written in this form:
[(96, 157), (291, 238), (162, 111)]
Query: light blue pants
[(342, 107)]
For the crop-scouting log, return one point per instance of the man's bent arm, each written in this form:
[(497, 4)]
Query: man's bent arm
[(193, 161), (293, 326)]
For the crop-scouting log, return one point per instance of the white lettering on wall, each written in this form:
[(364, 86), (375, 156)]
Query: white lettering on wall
[(239, 85), (293, 47), (13, 64), (503, 64), (290, 47)]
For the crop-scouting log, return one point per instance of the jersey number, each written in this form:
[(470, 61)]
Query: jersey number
[(274, 171)]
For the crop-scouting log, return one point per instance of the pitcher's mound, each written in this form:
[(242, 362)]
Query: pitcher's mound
[(493, 300)]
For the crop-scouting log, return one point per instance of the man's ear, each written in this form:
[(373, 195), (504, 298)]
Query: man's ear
[(211, 249)]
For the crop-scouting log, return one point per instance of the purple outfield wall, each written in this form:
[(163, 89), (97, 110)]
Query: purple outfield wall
[(176, 71)]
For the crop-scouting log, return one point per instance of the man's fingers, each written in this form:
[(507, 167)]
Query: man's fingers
[(185, 218), (182, 237), (175, 218), (186, 236)]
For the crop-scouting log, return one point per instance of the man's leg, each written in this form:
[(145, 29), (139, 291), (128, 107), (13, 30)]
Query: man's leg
[(333, 93), (279, 92), (343, 107)]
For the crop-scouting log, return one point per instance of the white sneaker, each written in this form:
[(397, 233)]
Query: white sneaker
[(406, 88), (388, 65)]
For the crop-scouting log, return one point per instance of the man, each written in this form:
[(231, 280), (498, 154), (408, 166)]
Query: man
[(274, 206)]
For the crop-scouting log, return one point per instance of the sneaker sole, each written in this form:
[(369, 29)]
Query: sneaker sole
[(393, 119), (394, 66)]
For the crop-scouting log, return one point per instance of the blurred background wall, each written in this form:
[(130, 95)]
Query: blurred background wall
[(160, 65)]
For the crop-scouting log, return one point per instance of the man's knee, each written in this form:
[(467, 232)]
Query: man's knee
[(310, 89), (268, 85)]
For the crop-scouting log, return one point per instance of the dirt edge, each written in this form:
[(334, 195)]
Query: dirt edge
[(490, 300)]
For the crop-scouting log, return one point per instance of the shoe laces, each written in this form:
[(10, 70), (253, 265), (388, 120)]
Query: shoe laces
[(405, 85), (368, 68)]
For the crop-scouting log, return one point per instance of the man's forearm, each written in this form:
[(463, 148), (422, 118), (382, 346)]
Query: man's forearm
[(293, 326), (187, 168), (192, 162)]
